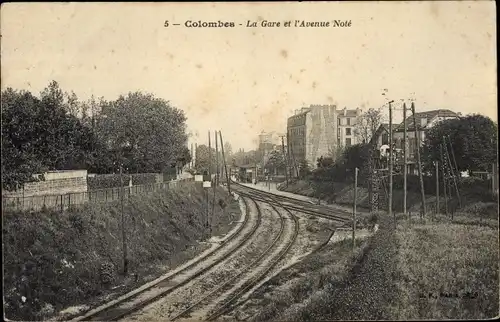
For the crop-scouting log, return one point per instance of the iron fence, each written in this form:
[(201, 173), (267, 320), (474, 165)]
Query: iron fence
[(64, 201)]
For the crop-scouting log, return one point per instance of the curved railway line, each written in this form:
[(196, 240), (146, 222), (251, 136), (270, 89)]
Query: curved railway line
[(228, 304), (298, 205), (115, 311), (225, 297)]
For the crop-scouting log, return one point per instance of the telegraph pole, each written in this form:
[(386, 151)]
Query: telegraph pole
[(405, 160), (209, 157), (124, 236), (216, 159), (354, 209), (390, 163), (286, 159), (437, 187), (417, 134), (444, 179), (225, 165), (453, 171)]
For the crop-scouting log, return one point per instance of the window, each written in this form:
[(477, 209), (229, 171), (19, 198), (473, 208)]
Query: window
[(338, 133), (348, 130), (348, 121), (339, 121), (348, 142), (385, 138)]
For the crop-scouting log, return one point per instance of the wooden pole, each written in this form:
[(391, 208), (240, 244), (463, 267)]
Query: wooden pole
[(444, 179), (420, 174), (225, 164), (437, 187), (455, 172), (124, 236), (209, 157), (216, 160), (390, 164), (405, 160), (354, 209), (286, 159)]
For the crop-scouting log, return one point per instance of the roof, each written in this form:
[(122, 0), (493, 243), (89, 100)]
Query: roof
[(384, 127), (429, 115)]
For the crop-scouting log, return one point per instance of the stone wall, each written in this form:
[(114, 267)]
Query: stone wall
[(55, 183)]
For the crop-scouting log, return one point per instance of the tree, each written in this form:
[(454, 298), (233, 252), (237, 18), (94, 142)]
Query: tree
[(474, 139), (275, 162), (143, 132), (39, 135), (304, 169), (367, 123), (19, 139)]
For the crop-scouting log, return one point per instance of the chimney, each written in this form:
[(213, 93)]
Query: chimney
[(345, 111)]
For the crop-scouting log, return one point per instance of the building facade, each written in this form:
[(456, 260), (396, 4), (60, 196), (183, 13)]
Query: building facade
[(346, 122), (318, 130), (424, 122)]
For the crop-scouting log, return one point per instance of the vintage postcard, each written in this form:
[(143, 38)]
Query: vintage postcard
[(257, 161)]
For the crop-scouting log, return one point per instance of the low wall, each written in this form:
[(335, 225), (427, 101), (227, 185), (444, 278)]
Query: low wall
[(64, 201), (56, 182)]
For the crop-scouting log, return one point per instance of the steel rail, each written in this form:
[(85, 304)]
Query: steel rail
[(236, 276), (229, 304), (112, 313)]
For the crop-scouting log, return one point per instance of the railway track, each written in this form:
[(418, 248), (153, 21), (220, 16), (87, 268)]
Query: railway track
[(129, 303), (231, 303), (287, 239), (298, 205), (135, 301)]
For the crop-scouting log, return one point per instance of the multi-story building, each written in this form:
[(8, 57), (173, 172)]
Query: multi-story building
[(317, 131), (424, 121), (346, 122), (268, 142)]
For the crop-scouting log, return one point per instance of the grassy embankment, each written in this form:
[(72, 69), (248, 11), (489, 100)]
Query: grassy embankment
[(422, 270), (55, 260)]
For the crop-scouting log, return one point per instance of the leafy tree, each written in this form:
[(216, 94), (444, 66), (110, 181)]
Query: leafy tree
[(275, 162), (144, 133), (367, 124), (474, 140), (20, 159), (39, 135), (184, 157), (304, 169)]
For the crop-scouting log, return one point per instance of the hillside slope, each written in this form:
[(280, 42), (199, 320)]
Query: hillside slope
[(55, 260)]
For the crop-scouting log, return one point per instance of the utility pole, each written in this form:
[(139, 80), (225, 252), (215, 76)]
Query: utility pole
[(124, 236), (209, 175), (286, 159), (437, 187), (417, 134), (354, 209), (443, 171), (192, 157), (209, 157), (390, 163), (455, 168), (405, 160), (195, 153), (216, 160), (225, 165)]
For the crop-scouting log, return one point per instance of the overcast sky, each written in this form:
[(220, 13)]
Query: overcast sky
[(244, 80)]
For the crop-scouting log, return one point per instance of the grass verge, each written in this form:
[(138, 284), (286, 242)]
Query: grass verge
[(54, 260)]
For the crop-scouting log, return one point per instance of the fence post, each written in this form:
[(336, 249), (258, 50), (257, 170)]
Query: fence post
[(62, 205)]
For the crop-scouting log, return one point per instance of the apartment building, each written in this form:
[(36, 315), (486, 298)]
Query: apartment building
[(346, 122), (318, 130)]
